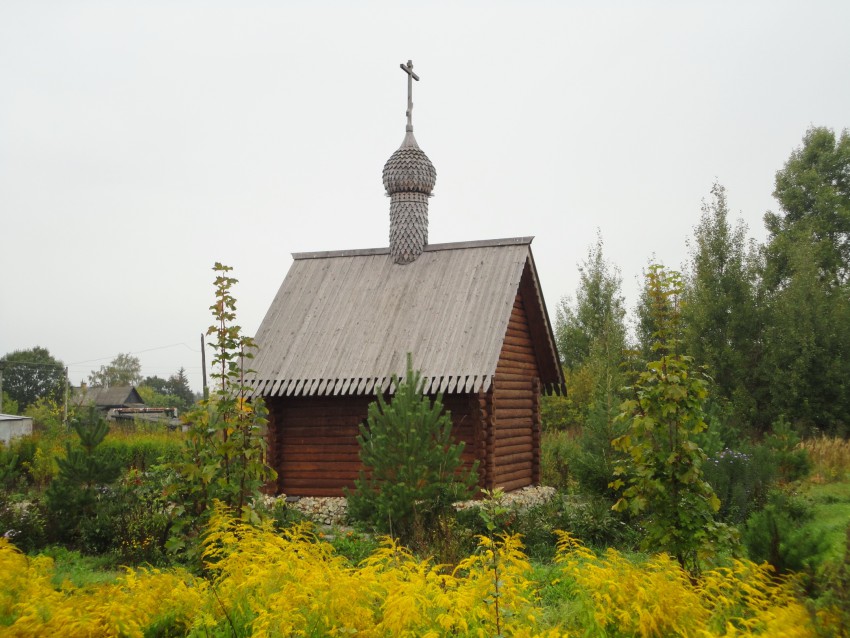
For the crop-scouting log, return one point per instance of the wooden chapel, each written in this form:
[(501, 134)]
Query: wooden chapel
[(471, 313)]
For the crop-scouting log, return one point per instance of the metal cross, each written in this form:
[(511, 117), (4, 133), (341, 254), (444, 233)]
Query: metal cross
[(410, 77)]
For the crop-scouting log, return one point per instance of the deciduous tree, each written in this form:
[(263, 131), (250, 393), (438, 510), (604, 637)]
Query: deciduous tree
[(813, 192), (659, 325), (661, 480), (597, 316), (807, 347), (722, 324), (29, 375), (807, 286), (225, 455), (125, 369), (591, 336), (171, 392)]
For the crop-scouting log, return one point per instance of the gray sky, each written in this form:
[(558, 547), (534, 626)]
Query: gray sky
[(142, 142)]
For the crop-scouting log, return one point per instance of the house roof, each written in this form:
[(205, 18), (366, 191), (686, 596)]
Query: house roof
[(343, 322), (14, 417), (109, 397)]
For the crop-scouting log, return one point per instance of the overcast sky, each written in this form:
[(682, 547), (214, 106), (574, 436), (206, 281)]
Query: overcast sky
[(142, 142)]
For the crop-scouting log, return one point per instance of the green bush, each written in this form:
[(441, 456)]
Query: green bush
[(353, 545), (741, 480), (779, 535), (791, 459), (278, 512), (140, 513), (588, 518), (23, 523), (95, 533), (15, 460), (583, 462), (9, 468), (558, 451), (48, 417), (127, 520), (140, 452), (536, 524), (594, 464), (835, 592), (23, 448), (559, 413), (591, 520)]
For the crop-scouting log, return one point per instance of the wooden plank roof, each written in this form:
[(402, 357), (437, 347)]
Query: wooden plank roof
[(343, 322), (108, 397)]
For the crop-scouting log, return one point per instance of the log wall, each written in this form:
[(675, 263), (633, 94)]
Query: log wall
[(313, 445), (313, 440), (515, 408)]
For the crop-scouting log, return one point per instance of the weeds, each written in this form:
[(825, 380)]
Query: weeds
[(264, 583), (830, 457)]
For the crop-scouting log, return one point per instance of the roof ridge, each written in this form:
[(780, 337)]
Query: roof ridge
[(460, 245)]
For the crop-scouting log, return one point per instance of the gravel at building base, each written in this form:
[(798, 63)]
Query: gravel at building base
[(332, 510)]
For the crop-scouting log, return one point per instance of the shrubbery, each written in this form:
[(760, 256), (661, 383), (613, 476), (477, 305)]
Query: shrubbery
[(776, 534), (741, 480), (589, 519), (99, 496), (23, 522), (263, 583), (559, 450), (140, 451)]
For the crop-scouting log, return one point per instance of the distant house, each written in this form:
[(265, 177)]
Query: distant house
[(13, 427), (106, 399), (124, 403), (471, 314)]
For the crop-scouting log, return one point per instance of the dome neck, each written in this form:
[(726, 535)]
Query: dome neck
[(409, 140)]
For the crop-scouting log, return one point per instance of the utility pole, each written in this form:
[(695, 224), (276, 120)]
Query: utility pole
[(1, 388), (204, 367), (65, 409)]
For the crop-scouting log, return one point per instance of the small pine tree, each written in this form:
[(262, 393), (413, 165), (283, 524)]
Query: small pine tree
[(782, 535), (413, 468), (72, 497)]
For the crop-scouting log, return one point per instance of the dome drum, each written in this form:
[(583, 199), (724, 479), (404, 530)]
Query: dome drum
[(408, 227)]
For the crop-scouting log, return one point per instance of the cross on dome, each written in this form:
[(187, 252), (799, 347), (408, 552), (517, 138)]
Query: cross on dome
[(408, 68)]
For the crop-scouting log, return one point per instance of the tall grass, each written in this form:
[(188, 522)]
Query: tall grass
[(830, 457)]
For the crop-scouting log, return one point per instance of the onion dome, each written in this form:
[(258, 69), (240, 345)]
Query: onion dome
[(409, 170), (409, 178)]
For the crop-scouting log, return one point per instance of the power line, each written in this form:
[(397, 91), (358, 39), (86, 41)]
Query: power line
[(172, 345), (110, 358)]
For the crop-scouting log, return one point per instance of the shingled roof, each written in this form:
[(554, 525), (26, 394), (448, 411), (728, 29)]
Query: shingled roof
[(343, 322), (111, 397)]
